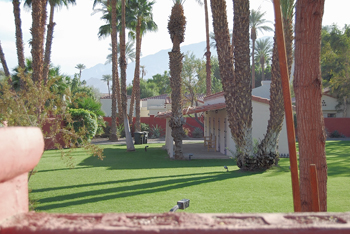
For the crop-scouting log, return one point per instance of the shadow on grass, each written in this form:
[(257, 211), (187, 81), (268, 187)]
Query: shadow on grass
[(155, 157), (338, 158), (96, 194)]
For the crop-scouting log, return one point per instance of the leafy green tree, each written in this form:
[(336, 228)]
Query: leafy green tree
[(162, 82), (335, 63)]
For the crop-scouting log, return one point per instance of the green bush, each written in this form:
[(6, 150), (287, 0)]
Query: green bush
[(84, 120), (144, 127), (336, 134), (186, 131), (120, 131), (197, 133), (156, 131)]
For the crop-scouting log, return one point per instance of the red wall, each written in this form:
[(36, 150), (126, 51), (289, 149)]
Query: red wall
[(161, 122), (342, 125)]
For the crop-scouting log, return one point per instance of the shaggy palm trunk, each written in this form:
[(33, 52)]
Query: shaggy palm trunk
[(19, 35), (268, 146), (129, 143), (136, 82), (262, 63), (49, 38), (225, 56), (132, 101), (3, 62), (176, 27), (242, 87), (308, 92), (208, 53), (38, 30), (115, 83)]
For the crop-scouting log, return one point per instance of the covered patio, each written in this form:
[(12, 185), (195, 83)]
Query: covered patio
[(199, 151)]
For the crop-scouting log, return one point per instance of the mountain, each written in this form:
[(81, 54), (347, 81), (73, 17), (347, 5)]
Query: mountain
[(154, 64)]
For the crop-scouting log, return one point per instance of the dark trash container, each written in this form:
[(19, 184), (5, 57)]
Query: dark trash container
[(138, 137), (145, 137)]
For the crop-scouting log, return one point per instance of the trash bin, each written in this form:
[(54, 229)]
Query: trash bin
[(145, 137), (138, 137)]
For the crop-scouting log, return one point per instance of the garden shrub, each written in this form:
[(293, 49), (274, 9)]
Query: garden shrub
[(197, 133), (156, 131), (120, 131), (84, 121), (336, 134), (144, 127), (187, 131)]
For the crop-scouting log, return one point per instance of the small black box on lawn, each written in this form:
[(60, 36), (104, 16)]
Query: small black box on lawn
[(183, 204)]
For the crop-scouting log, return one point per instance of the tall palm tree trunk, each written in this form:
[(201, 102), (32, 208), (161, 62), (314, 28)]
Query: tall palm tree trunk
[(242, 86), (19, 35), (132, 101), (176, 27), (208, 53), (268, 146), (115, 83), (49, 38), (135, 96), (129, 143), (38, 30), (253, 62), (308, 92), (3, 62), (237, 89), (137, 76)]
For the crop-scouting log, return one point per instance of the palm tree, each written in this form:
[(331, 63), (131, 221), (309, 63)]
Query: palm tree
[(19, 35), (110, 11), (107, 78), (80, 67), (142, 23), (50, 27), (307, 84), (242, 86), (122, 63), (176, 28), (267, 149), (3, 62), (38, 31), (256, 23), (49, 37), (225, 56), (130, 53), (263, 53)]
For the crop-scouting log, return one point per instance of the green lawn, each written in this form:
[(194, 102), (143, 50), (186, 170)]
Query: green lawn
[(150, 182)]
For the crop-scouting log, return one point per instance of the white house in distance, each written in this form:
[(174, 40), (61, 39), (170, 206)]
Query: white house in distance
[(149, 106), (216, 122)]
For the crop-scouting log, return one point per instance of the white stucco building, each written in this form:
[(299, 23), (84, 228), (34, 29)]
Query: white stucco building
[(216, 122)]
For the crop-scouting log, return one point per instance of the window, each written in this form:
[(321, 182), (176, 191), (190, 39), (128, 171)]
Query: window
[(331, 115)]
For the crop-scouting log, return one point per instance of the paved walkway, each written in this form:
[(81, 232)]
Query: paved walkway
[(191, 146)]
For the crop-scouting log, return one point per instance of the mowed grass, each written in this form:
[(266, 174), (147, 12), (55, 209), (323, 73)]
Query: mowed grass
[(150, 182)]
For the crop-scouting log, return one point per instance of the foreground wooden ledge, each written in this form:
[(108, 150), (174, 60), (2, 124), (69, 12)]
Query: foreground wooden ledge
[(20, 151)]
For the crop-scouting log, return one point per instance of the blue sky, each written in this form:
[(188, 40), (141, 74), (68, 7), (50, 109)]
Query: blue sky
[(75, 36)]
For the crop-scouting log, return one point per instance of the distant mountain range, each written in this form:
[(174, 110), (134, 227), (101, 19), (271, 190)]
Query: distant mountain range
[(154, 64)]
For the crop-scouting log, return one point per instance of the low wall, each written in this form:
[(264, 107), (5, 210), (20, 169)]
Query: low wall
[(152, 121), (342, 125)]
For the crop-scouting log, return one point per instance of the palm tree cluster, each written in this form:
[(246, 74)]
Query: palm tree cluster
[(137, 17)]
